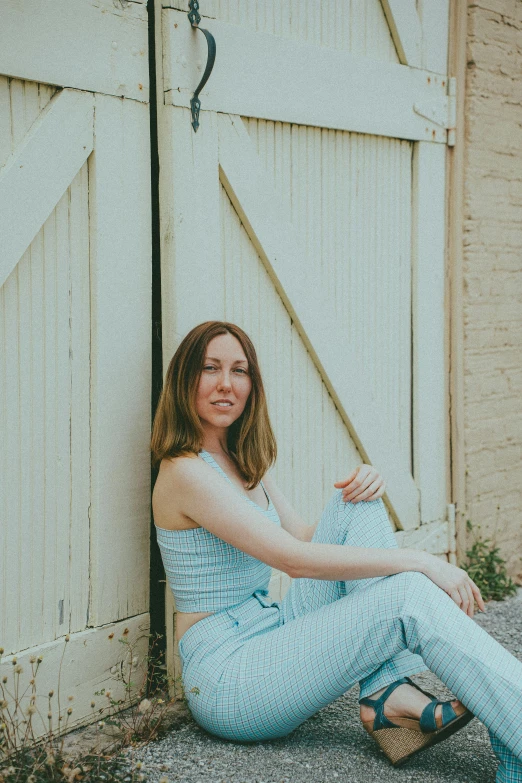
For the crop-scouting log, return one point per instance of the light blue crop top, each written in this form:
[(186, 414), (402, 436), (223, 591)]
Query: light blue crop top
[(204, 572)]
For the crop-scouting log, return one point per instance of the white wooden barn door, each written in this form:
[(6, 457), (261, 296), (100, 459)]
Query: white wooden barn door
[(309, 209), (74, 338)]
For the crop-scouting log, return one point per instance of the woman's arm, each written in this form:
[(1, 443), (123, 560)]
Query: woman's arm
[(201, 494), (290, 519), (364, 483)]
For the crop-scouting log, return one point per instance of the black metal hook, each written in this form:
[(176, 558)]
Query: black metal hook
[(195, 19)]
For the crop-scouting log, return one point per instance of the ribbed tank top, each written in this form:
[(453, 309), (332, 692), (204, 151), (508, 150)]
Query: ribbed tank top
[(204, 572)]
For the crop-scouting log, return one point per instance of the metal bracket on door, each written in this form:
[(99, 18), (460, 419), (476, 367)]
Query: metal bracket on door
[(195, 19)]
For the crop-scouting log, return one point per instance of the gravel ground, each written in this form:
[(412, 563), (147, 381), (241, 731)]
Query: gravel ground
[(332, 746)]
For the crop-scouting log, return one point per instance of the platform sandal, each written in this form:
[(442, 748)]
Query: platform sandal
[(402, 739)]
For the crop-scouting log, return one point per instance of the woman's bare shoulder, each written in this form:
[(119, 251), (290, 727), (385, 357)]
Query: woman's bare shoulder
[(184, 472), (171, 464), (170, 484), (174, 471)]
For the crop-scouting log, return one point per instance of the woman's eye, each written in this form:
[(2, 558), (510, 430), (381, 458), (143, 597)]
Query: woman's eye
[(239, 370)]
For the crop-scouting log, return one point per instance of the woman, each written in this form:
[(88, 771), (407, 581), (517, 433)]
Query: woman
[(358, 610)]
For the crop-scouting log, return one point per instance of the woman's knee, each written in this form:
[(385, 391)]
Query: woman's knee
[(329, 530), (419, 596), (367, 524), (409, 581), (411, 588)]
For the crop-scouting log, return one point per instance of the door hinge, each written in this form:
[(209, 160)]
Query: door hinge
[(442, 111)]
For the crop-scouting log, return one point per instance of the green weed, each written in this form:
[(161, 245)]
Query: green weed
[(488, 569)]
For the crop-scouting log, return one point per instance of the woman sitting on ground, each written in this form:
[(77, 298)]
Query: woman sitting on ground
[(359, 609)]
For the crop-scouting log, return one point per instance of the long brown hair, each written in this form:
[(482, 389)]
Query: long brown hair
[(177, 428)]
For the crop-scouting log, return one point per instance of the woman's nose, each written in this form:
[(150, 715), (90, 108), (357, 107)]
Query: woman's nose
[(224, 381)]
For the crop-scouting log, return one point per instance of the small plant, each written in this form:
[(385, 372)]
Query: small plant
[(139, 722), (488, 569), (35, 766), (27, 756)]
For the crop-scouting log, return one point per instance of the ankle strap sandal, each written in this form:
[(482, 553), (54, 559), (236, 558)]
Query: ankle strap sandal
[(402, 738)]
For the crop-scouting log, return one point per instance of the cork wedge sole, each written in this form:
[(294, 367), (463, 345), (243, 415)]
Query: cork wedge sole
[(404, 741)]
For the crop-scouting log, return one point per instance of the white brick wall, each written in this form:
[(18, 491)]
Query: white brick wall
[(493, 274)]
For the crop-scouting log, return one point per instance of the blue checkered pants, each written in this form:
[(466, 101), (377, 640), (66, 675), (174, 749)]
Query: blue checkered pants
[(257, 670)]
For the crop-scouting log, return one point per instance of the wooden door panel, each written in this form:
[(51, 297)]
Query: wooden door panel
[(337, 181), (280, 247), (44, 321), (74, 378), (354, 226), (264, 75)]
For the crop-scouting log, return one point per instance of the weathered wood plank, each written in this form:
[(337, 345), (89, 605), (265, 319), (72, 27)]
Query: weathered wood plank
[(9, 617), (192, 275), (285, 80), (33, 525), (59, 576), (86, 44), (430, 377), (90, 663), (79, 363), (435, 34), (120, 247), (351, 25), (5, 120), (432, 537), (41, 170), (405, 29), (55, 415)]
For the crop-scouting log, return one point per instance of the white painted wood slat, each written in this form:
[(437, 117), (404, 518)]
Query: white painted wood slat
[(263, 75), (80, 360), (58, 579), (434, 16), (193, 287), (35, 486), (351, 25), (430, 369), (39, 172), (99, 46), (5, 120), (120, 249), (24, 483), (56, 412), (278, 244), (406, 30)]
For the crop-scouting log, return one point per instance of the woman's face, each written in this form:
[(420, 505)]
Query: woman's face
[(224, 384)]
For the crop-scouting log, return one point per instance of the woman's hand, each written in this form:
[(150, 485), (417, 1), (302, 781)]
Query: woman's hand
[(364, 483), (455, 582)]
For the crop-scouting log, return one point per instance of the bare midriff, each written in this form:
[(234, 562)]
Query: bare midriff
[(185, 620)]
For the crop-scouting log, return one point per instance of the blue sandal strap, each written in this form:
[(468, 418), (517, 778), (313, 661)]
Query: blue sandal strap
[(427, 721), (448, 713), (381, 721)]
